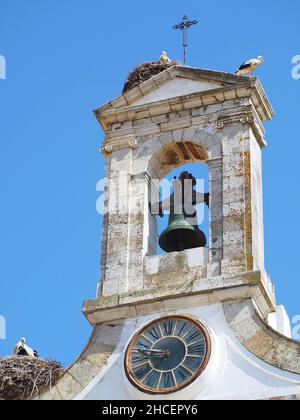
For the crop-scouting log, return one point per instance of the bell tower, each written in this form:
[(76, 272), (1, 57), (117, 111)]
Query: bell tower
[(180, 116), (194, 323)]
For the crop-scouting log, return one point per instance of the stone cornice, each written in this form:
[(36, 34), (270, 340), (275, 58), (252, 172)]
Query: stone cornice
[(211, 97), (262, 98), (128, 138), (214, 290), (182, 103)]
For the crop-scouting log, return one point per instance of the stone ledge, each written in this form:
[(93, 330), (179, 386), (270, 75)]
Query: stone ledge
[(203, 291), (198, 99), (131, 137)]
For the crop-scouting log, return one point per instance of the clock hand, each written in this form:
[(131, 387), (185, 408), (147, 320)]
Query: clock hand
[(159, 353)]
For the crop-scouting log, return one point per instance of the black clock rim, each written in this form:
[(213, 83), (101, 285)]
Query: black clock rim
[(197, 374)]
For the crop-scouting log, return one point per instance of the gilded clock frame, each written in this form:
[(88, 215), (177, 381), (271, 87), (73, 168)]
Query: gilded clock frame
[(197, 374)]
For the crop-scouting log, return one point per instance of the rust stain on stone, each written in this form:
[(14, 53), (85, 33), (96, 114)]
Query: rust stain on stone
[(197, 151), (184, 151), (170, 157)]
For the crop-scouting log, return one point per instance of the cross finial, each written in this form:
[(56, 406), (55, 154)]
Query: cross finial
[(184, 26)]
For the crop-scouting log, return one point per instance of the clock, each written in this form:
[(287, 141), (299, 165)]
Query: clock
[(167, 355)]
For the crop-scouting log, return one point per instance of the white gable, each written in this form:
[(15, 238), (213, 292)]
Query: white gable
[(177, 87)]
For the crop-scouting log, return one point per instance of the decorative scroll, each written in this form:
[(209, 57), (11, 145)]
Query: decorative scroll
[(242, 119), (113, 145)]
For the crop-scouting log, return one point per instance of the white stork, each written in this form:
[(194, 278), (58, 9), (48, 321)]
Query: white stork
[(249, 66), (164, 59), (21, 349)]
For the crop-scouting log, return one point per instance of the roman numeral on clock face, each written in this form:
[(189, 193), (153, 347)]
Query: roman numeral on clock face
[(144, 343), (194, 336), (168, 327), (167, 380), (138, 359), (152, 379), (182, 375), (193, 363), (143, 371), (197, 349), (153, 333)]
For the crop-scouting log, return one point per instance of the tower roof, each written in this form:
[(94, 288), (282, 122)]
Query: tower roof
[(177, 83)]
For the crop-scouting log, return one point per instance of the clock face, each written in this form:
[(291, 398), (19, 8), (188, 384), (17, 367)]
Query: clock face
[(167, 355)]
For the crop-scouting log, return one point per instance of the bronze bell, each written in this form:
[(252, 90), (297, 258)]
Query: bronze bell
[(181, 235), (183, 232)]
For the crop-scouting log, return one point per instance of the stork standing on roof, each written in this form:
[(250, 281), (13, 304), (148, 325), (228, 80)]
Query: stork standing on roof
[(164, 59), (21, 349), (249, 66)]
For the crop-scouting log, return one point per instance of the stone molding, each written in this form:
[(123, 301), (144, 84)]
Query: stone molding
[(213, 290), (129, 138), (259, 338), (239, 119), (181, 103)]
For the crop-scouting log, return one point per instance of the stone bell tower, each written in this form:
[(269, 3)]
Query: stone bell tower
[(183, 115), (221, 293)]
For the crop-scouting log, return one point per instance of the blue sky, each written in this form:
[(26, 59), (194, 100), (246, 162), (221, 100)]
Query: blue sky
[(64, 59)]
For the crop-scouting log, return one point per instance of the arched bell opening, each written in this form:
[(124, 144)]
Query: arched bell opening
[(200, 172), (182, 169)]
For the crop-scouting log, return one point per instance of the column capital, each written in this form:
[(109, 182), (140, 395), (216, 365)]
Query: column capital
[(109, 145), (244, 116)]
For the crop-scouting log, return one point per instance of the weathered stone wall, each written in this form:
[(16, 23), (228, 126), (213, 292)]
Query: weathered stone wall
[(225, 137)]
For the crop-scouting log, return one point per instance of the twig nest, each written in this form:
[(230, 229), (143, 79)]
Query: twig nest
[(144, 72), (23, 378)]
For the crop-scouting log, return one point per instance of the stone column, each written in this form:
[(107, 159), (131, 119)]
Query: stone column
[(257, 205), (237, 221), (126, 230), (114, 262), (216, 217), (138, 233)]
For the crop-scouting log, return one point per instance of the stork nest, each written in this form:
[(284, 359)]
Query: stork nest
[(144, 72), (23, 378)]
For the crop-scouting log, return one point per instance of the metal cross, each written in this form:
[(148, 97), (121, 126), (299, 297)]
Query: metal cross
[(184, 26)]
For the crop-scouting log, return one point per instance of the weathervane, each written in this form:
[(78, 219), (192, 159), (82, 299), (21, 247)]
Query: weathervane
[(184, 26)]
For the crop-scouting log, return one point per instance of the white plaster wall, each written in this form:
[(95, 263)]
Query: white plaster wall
[(233, 372), (177, 87), (280, 321)]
